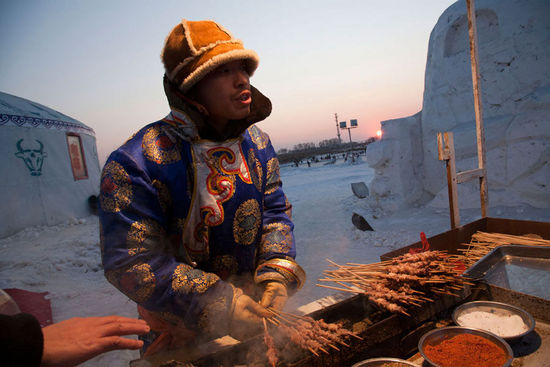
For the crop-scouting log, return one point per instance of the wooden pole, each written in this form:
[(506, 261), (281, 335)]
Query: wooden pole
[(472, 33), (446, 152), (337, 129)]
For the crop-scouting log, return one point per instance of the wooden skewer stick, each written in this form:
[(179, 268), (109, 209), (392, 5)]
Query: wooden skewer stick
[(305, 318), (354, 288), (447, 293), (272, 311), (335, 279), (341, 342), (502, 238), (312, 351), (338, 289), (347, 270), (329, 343), (273, 321), (287, 320), (324, 350), (372, 264), (354, 335)]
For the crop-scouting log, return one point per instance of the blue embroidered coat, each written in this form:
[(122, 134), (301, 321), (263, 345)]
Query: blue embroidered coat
[(182, 219)]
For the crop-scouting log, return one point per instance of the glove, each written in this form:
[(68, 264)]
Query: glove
[(275, 295), (246, 317)]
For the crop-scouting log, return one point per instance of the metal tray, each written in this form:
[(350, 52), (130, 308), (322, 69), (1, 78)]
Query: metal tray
[(524, 269)]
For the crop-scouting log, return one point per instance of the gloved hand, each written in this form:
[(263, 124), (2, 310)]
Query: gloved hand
[(275, 295), (246, 317)]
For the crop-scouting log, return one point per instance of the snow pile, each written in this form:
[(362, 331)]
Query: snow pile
[(515, 82)]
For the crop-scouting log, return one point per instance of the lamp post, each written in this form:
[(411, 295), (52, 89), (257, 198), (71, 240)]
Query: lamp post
[(352, 125), (337, 131)]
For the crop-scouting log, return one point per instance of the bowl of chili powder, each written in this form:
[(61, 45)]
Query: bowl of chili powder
[(457, 346)]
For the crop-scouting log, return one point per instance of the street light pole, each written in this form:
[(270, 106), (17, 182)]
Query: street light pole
[(352, 125), (337, 130)]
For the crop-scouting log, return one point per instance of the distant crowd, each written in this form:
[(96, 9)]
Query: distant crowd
[(332, 158)]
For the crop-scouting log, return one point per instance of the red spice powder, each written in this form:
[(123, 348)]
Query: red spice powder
[(465, 350)]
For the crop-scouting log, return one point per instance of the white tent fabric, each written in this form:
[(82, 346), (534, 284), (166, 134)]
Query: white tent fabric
[(48, 164)]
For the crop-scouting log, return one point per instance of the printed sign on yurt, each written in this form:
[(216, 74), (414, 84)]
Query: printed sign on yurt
[(48, 164)]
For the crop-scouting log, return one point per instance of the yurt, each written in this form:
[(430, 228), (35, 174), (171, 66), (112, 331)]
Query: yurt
[(48, 164)]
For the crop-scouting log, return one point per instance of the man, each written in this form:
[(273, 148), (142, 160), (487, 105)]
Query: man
[(194, 223)]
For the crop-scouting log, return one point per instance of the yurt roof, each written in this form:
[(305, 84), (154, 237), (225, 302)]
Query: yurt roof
[(17, 111)]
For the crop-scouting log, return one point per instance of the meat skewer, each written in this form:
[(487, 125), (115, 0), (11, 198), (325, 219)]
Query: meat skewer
[(271, 351), (316, 336), (399, 283)]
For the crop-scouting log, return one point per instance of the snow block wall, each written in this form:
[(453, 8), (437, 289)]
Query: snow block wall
[(514, 59), (397, 179)]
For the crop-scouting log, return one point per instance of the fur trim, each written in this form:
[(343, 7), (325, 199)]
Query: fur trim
[(187, 34), (193, 49), (219, 60), (198, 53), (223, 29)]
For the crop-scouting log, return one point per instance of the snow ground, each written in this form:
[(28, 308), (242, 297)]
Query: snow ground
[(64, 260)]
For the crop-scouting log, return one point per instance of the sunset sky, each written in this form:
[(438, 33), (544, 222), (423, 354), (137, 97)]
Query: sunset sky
[(99, 61)]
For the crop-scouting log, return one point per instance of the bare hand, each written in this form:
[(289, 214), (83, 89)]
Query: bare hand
[(73, 341)]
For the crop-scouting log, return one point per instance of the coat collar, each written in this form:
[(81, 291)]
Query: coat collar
[(193, 117)]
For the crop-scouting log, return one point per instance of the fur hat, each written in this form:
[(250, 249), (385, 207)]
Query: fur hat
[(195, 48)]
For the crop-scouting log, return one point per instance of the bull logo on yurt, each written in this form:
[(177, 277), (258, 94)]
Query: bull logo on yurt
[(33, 158)]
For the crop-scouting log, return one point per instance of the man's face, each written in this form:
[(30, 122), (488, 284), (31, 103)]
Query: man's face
[(225, 92)]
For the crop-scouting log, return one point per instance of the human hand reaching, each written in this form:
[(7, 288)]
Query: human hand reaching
[(73, 341)]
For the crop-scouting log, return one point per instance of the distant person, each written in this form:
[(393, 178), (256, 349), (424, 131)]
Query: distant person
[(195, 226), (66, 343)]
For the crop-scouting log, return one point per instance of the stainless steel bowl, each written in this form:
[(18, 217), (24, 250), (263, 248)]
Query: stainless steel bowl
[(495, 307), (436, 336), (375, 362)]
